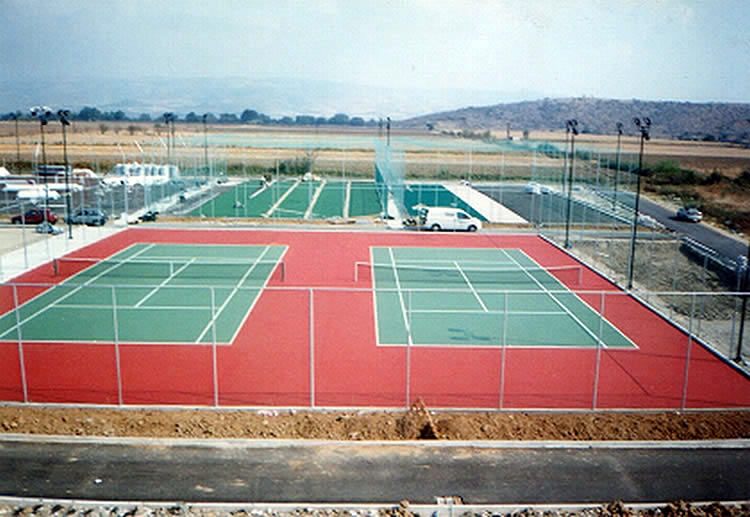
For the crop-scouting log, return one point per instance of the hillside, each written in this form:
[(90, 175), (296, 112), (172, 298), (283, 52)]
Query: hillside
[(685, 120)]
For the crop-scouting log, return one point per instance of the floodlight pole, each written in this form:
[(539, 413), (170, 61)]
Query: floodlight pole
[(571, 126), (15, 115), (744, 287), (43, 113), (205, 141), (64, 121), (617, 166), (644, 127)]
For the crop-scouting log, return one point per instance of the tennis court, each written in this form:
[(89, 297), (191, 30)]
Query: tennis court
[(481, 297), (294, 199), (149, 293)]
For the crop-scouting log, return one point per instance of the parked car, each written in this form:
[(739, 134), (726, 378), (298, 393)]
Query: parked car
[(89, 216), (689, 214), (149, 216), (35, 216), (438, 218)]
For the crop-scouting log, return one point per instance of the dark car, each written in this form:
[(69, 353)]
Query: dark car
[(35, 216), (149, 216)]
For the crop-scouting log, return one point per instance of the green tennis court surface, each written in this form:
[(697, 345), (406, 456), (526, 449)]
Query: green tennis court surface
[(150, 293), (481, 297), (294, 199)]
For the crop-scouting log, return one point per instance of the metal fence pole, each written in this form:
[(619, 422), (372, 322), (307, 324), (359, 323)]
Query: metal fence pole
[(21, 362), (118, 366), (408, 348), (599, 345), (504, 345), (214, 366), (312, 347), (683, 402)]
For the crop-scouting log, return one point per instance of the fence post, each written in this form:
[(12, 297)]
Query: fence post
[(504, 345), (408, 348), (687, 354), (214, 366), (21, 362), (116, 335), (599, 345), (312, 348)]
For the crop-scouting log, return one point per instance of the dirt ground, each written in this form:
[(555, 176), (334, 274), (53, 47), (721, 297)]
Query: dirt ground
[(412, 425)]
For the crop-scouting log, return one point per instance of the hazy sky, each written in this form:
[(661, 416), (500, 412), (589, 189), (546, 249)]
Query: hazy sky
[(612, 48)]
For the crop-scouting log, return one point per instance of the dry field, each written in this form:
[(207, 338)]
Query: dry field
[(88, 145)]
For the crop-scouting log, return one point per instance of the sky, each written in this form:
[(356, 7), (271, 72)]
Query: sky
[(650, 49)]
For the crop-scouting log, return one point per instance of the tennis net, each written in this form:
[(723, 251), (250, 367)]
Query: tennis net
[(468, 275), (163, 268)]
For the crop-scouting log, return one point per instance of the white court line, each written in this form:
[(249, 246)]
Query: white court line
[(124, 307), (71, 293), (347, 199), (283, 197), (314, 200), (166, 280), (471, 286), (407, 326), (547, 291), (231, 295), (474, 311)]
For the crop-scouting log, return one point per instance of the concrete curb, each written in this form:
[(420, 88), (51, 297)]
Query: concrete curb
[(246, 443)]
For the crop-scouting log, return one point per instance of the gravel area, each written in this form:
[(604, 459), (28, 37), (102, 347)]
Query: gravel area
[(403, 509)]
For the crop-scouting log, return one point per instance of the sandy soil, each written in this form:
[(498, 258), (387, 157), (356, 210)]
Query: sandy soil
[(411, 425)]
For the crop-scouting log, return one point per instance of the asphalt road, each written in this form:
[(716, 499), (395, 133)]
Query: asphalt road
[(514, 198), (700, 232), (374, 473)]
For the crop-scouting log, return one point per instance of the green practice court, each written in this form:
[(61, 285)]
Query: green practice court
[(295, 199), (480, 297), (150, 293)]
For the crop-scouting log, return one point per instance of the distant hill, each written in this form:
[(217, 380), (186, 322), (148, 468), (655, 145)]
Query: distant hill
[(684, 120)]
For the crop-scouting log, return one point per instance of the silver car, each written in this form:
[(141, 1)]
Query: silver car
[(89, 216), (689, 214)]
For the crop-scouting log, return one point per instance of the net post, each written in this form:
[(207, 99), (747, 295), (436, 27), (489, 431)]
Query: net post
[(21, 361), (116, 336), (214, 365), (56, 266), (311, 297), (683, 401), (503, 351)]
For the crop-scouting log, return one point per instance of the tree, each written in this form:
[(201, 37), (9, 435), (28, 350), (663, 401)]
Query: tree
[(357, 121), (103, 128), (305, 120), (89, 113), (144, 117), (340, 119), (228, 118), (248, 116), (287, 121), (192, 118)]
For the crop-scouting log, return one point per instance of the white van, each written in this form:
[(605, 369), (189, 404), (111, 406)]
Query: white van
[(438, 218)]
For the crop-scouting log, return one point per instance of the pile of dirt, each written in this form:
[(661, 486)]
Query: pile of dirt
[(416, 424)]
